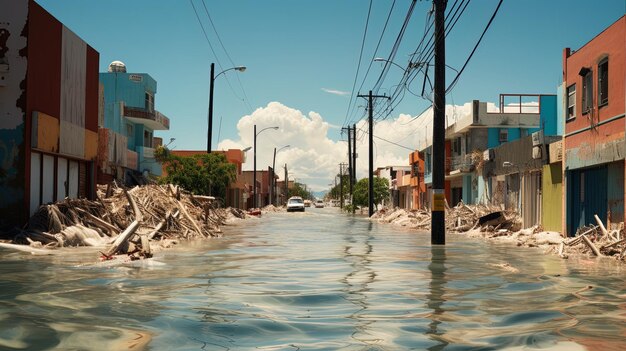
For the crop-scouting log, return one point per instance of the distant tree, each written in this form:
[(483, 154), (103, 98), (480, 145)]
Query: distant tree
[(361, 191), (299, 190), (202, 174)]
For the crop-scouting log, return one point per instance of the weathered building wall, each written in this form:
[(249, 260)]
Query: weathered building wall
[(594, 146), (13, 51), (48, 124)]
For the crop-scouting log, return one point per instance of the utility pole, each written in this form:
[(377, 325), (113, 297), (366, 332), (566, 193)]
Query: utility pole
[(438, 218), (210, 131), (341, 185), (370, 107), (353, 169), (350, 165), (286, 185)]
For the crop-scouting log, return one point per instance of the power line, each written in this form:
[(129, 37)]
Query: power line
[(495, 12), (358, 67)]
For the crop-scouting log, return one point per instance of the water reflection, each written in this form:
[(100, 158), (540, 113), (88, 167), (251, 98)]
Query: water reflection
[(356, 252), (435, 297)]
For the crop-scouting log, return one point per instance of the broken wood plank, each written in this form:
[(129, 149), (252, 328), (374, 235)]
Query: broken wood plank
[(591, 245), (130, 230), (601, 225), (102, 223)]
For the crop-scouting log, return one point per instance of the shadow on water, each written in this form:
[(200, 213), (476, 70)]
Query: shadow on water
[(435, 297)]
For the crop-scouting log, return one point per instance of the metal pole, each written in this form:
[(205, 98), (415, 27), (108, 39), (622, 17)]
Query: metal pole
[(370, 202), (210, 132), (273, 184), (286, 185), (254, 173), (438, 225), (350, 161)]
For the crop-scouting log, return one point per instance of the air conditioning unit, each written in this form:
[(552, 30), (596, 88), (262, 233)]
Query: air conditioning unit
[(488, 155), (536, 152), (537, 138)]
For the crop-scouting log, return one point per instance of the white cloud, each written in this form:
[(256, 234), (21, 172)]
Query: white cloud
[(313, 158), (336, 92)]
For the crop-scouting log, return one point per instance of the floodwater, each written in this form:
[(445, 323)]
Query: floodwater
[(317, 280)]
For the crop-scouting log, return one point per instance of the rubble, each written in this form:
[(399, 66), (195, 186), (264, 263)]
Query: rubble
[(492, 223), (135, 222)]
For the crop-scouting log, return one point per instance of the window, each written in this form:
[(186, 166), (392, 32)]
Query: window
[(571, 102), (129, 130), (504, 135), (456, 146), (149, 102), (587, 92), (147, 138), (603, 82)]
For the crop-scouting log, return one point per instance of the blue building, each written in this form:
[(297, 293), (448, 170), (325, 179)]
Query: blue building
[(472, 134), (130, 120)]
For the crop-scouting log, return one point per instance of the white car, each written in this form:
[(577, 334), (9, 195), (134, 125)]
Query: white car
[(295, 203), (319, 204)]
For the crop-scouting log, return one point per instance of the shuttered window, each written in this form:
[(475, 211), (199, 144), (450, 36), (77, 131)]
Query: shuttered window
[(603, 82), (571, 102)]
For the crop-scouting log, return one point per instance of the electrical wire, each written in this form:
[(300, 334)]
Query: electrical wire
[(358, 67), (495, 12)]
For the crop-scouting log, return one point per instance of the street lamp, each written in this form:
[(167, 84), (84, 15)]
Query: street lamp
[(254, 204), (213, 76), (273, 197)]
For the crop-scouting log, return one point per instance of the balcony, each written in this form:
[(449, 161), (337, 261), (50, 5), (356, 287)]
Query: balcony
[(460, 164), (154, 120)]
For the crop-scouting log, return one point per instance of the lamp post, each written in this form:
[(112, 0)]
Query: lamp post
[(273, 199), (254, 204), (213, 76)]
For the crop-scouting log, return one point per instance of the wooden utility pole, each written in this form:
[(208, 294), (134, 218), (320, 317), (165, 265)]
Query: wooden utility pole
[(438, 218), (370, 107), (341, 185), (350, 164)]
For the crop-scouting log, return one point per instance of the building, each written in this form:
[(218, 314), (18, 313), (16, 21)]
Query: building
[(48, 111), (127, 133), (237, 192), (472, 131), (399, 192), (513, 172), (416, 182), (593, 145)]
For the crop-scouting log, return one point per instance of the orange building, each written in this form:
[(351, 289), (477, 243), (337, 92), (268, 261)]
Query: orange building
[(594, 79), (418, 186)]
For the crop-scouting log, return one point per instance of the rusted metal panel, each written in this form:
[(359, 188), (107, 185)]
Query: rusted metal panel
[(92, 89), (91, 145), (44, 62), (73, 78)]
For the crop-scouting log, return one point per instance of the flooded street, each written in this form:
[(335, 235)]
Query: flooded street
[(315, 281)]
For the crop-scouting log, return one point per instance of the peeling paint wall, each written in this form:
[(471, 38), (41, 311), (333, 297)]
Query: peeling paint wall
[(13, 66)]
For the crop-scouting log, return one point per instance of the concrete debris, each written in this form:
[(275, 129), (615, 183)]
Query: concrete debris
[(134, 223), (492, 223)]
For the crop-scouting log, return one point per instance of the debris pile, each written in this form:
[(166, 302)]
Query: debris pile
[(493, 223), (134, 222)]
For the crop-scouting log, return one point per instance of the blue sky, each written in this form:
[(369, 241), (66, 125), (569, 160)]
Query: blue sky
[(296, 49)]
